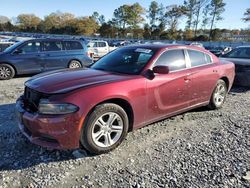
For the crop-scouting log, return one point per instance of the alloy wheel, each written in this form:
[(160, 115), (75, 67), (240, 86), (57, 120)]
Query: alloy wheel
[(107, 129), (75, 65), (5, 72), (220, 94)]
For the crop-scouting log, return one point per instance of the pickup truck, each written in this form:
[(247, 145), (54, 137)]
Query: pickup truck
[(97, 49)]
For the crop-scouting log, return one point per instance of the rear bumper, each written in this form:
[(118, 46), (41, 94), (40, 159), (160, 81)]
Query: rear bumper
[(54, 132)]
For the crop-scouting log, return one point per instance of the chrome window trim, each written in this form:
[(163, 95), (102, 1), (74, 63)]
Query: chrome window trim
[(168, 49), (201, 52), (186, 56)]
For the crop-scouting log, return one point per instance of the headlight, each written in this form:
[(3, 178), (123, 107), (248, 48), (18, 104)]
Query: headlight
[(46, 107)]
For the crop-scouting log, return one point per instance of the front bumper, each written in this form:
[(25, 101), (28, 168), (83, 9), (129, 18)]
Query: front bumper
[(54, 131)]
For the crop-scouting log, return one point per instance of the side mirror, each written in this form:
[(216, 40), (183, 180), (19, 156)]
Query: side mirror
[(160, 69), (18, 51)]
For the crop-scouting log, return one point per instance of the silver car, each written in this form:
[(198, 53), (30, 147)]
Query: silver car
[(240, 56)]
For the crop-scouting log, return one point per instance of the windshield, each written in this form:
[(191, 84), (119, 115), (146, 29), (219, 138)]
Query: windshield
[(12, 47), (125, 60), (243, 52)]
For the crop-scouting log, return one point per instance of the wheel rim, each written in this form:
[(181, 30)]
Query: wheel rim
[(5, 72), (107, 129), (74, 65), (220, 94)]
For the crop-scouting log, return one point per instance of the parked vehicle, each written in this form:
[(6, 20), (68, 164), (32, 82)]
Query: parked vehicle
[(128, 88), (197, 44), (218, 51), (39, 55), (4, 45), (97, 49), (240, 56)]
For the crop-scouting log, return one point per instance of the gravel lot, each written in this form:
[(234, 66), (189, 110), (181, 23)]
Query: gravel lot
[(200, 148)]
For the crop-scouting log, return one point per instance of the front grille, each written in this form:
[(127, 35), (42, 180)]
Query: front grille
[(31, 99)]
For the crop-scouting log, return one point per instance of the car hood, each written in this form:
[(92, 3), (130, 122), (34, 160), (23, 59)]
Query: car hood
[(66, 80)]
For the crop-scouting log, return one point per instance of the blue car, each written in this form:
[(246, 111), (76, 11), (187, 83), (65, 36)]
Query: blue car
[(39, 55)]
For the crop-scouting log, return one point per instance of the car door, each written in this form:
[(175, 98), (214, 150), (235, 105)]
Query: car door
[(240, 57), (204, 76), (102, 49), (26, 57), (169, 93), (52, 56), (74, 50)]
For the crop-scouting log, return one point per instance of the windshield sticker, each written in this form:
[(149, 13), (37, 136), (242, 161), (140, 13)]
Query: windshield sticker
[(142, 50)]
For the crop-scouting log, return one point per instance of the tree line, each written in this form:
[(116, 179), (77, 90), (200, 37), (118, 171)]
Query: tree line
[(155, 22)]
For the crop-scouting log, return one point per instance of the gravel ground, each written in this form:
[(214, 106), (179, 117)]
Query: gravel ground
[(200, 148)]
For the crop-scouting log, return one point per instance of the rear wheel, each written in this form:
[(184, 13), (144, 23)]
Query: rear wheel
[(6, 72), (219, 95), (104, 129), (74, 64)]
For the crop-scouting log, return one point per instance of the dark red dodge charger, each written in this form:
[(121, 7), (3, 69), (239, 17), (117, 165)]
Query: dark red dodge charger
[(131, 87)]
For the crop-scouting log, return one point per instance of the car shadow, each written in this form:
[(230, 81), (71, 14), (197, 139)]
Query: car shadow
[(18, 153), (239, 89)]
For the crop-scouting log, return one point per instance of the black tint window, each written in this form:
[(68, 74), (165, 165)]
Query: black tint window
[(239, 53), (31, 47), (125, 60), (174, 59), (52, 46), (197, 58), (73, 45), (102, 44)]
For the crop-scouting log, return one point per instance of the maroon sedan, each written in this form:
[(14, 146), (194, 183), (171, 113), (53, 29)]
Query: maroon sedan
[(128, 88)]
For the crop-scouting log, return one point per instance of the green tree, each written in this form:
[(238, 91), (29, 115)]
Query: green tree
[(173, 15), (247, 15), (189, 6), (4, 19), (86, 26), (153, 13), (100, 19), (56, 21), (216, 9), (197, 12), (205, 18), (28, 22)]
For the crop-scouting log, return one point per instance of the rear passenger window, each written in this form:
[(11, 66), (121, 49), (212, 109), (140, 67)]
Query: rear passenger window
[(174, 59), (208, 58), (102, 44), (52, 46), (73, 45), (198, 58)]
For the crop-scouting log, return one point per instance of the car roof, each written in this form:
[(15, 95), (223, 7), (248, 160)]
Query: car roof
[(243, 46), (165, 46), (54, 39)]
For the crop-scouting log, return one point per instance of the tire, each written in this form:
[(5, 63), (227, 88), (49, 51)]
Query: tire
[(97, 135), (74, 64), (6, 72), (218, 96)]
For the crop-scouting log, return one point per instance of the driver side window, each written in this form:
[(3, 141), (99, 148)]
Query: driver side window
[(30, 47), (174, 59)]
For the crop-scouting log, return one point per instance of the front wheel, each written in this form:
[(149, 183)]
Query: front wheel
[(219, 95), (6, 72), (104, 129)]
